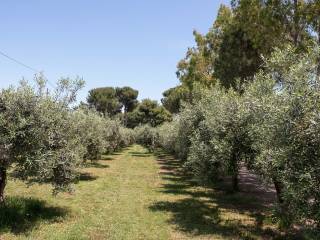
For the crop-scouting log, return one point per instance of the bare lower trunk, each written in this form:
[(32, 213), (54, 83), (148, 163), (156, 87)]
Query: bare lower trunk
[(278, 187), (3, 181), (125, 117), (235, 173), (235, 182), (296, 23), (318, 67), (286, 218)]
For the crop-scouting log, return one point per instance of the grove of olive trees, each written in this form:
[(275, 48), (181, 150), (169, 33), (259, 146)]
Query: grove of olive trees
[(272, 128), (248, 98), (44, 139)]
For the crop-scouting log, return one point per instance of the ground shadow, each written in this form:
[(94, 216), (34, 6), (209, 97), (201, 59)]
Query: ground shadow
[(190, 215), (86, 177), (95, 164), (107, 158), (197, 210), (117, 152), (19, 215), (140, 154)]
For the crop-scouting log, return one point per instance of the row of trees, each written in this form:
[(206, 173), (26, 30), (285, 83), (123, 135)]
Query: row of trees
[(232, 52), (249, 94), (44, 138), (272, 128), (122, 103)]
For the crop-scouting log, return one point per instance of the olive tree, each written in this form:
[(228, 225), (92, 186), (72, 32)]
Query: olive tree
[(127, 137), (220, 143), (92, 130), (168, 136), (147, 136), (284, 103), (100, 134), (37, 144), (188, 121)]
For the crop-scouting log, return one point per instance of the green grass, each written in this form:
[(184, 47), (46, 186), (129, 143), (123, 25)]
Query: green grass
[(132, 195)]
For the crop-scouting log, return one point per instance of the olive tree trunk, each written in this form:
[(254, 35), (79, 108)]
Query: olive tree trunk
[(235, 172), (235, 182), (286, 218), (3, 182), (278, 187), (318, 32)]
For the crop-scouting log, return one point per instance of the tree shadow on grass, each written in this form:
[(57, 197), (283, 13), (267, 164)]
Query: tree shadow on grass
[(190, 215), (198, 210), (107, 158), (115, 153), (140, 154), (86, 177), (19, 215), (119, 151), (95, 164)]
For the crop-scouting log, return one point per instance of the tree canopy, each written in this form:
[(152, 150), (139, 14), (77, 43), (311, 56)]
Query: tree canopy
[(173, 98), (105, 100), (148, 112), (127, 96), (242, 35)]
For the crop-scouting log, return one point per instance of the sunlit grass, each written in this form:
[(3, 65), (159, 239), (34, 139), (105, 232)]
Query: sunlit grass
[(133, 195), (110, 202)]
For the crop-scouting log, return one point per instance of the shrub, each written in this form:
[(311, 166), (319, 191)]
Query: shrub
[(220, 142), (146, 136), (168, 136), (188, 122), (100, 134), (37, 140), (127, 137), (284, 102), (92, 130)]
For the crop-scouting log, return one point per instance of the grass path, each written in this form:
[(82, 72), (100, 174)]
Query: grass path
[(132, 195)]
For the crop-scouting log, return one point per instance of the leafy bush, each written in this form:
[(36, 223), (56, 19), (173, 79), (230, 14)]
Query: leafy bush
[(147, 136), (284, 102), (100, 134), (127, 137), (189, 120), (219, 141), (113, 135), (168, 136), (37, 140), (92, 130)]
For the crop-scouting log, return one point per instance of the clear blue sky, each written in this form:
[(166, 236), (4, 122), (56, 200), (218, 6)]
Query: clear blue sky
[(133, 43)]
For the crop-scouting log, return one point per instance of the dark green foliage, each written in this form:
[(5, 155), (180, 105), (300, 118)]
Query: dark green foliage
[(236, 46), (128, 97), (110, 101), (173, 98), (105, 100), (233, 49), (148, 112)]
